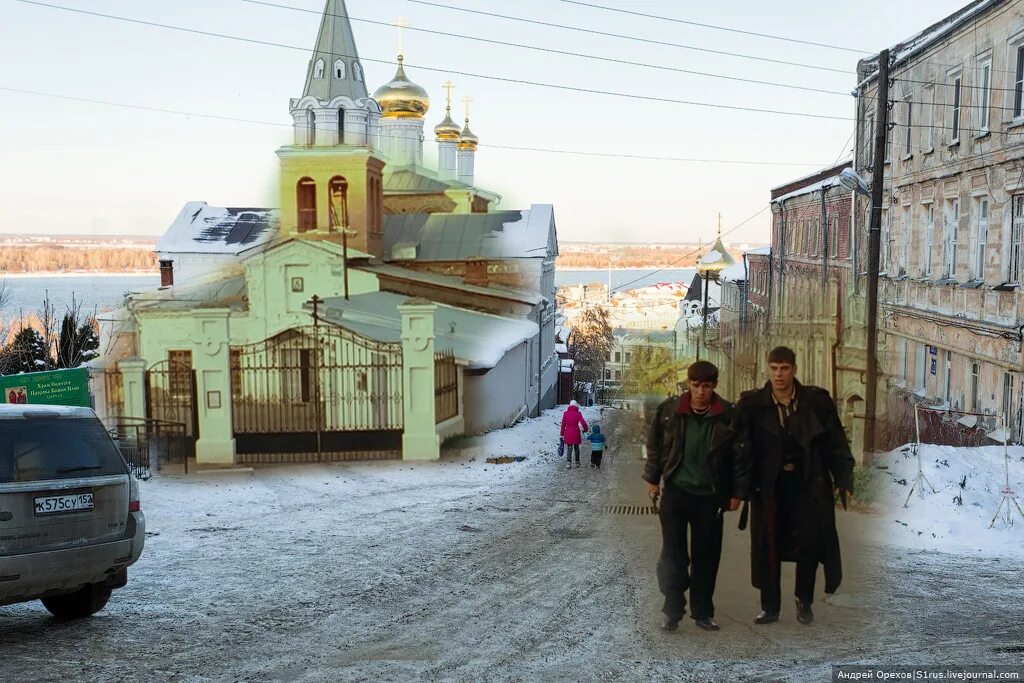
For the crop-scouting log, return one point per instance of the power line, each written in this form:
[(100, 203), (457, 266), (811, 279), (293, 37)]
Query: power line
[(566, 88), (628, 37), (718, 28), (567, 53), (235, 119)]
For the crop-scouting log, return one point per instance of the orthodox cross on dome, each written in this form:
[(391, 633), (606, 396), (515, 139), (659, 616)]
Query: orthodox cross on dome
[(467, 99), (448, 85), (719, 224), (401, 25)]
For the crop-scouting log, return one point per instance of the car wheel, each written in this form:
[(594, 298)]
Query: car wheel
[(84, 602)]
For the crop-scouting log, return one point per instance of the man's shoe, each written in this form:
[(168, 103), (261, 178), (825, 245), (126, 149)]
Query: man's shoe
[(766, 617), (568, 465), (803, 612), (577, 464), (707, 624), (670, 623)]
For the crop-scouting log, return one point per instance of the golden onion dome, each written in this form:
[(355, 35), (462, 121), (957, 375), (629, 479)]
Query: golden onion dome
[(715, 261), (401, 98), (467, 140), (447, 130)]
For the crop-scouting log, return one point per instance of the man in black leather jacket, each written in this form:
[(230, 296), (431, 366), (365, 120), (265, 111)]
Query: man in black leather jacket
[(697, 458)]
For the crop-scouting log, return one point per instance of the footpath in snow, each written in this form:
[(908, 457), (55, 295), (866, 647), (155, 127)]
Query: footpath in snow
[(968, 488)]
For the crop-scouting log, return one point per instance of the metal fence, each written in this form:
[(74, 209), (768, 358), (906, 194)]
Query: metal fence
[(446, 386)]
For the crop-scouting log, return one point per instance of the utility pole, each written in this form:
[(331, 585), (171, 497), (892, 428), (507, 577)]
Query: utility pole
[(874, 249)]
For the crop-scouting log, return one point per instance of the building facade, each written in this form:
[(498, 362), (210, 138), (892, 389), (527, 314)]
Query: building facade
[(951, 322)]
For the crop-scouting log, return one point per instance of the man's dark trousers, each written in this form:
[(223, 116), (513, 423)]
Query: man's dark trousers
[(789, 509), (697, 518)]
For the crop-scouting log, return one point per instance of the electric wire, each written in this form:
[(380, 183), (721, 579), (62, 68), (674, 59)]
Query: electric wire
[(676, 20), (566, 53), (560, 87)]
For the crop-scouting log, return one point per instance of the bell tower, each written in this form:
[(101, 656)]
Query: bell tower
[(331, 176)]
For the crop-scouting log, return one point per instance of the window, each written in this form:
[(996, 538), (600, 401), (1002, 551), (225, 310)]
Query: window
[(929, 116), (922, 367), (952, 230), (618, 356), (339, 69), (310, 127), (984, 94), (883, 263), (835, 237), (1008, 398), (929, 237), (1016, 230), (607, 374), (901, 360), (357, 71), (318, 69), (981, 238), (949, 375), (975, 370), (1018, 84), (908, 236), (869, 139), (629, 357), (46, 448), (305, 192), (955, 111), (618, 375), (341, 126), (337, 192), (907, 141)]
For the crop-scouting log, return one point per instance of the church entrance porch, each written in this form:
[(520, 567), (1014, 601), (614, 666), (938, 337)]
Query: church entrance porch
[(316, 393)]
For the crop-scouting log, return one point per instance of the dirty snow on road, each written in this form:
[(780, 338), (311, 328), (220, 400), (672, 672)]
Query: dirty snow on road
[(468, 571)]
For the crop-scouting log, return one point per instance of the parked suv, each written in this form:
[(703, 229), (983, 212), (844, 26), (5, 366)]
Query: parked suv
[(70, 520)]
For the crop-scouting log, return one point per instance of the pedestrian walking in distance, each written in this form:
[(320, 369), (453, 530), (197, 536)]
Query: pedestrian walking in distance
[(598, 443), (697, 459), (573, 426), (801, 462)]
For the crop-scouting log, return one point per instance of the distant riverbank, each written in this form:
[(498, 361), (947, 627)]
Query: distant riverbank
[(74, 273)]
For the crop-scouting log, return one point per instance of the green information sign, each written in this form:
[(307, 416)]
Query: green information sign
[(57, 387)]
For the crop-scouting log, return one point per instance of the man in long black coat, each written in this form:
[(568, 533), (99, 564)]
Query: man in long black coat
[(801, 462), (697, 460)]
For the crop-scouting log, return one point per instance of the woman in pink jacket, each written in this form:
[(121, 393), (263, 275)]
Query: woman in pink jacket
[(572, 424)]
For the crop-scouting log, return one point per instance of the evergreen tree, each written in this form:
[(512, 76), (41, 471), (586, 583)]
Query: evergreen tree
[(26, 353), (78, 341)]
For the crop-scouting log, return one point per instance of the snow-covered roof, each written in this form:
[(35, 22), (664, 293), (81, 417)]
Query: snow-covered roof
[(762, 251), (808, 189), (457, 237), (906, 49), (566, 365), (561, 348), (212, 291), (204, 229), (446, 281), (478, 339), (734, 273)]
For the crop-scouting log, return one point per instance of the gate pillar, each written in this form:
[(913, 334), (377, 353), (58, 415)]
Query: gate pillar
[(420, 440), (211, 358), (133, 376)]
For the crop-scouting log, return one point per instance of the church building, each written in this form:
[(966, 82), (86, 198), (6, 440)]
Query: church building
[(383, 307)]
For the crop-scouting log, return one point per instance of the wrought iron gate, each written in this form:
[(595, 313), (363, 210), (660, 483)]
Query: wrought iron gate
[(317, 392), (171, 403)]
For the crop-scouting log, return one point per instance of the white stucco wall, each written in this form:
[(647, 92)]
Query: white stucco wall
[(491, 400)]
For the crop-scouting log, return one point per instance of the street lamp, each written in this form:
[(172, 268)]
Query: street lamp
[(852, 181)]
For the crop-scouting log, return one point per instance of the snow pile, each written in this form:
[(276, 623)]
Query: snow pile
[(955, 519)]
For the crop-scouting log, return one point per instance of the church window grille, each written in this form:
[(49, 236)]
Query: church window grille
[(306, 202), (339, 69)]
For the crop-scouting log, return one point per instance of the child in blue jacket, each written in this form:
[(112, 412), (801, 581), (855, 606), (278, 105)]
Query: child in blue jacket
[(597, 445)]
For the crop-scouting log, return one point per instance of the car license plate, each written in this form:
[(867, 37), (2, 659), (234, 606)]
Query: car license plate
[(55, 504)]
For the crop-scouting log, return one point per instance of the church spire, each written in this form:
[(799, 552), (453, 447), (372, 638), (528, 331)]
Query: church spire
[(334, 68)]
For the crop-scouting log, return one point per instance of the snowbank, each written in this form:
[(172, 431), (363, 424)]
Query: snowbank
[(955, 519)]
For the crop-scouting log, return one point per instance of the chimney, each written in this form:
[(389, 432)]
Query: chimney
[(476, 273), (166, 273)]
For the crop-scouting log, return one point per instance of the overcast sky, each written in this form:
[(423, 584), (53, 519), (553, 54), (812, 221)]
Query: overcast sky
[(76, 167)]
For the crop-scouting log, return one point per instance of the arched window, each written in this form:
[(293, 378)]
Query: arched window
[(337, 194), (357, 71), (318, 69), (339, 69), (310, 127), (341, 126), (305, 195)]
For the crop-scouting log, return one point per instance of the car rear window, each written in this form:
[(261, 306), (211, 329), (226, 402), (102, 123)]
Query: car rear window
[(39, 448)]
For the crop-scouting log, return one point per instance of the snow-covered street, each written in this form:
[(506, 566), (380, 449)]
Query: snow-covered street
[(464, 570)]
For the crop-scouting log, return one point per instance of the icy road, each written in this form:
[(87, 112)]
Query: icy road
[(466, 571)]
